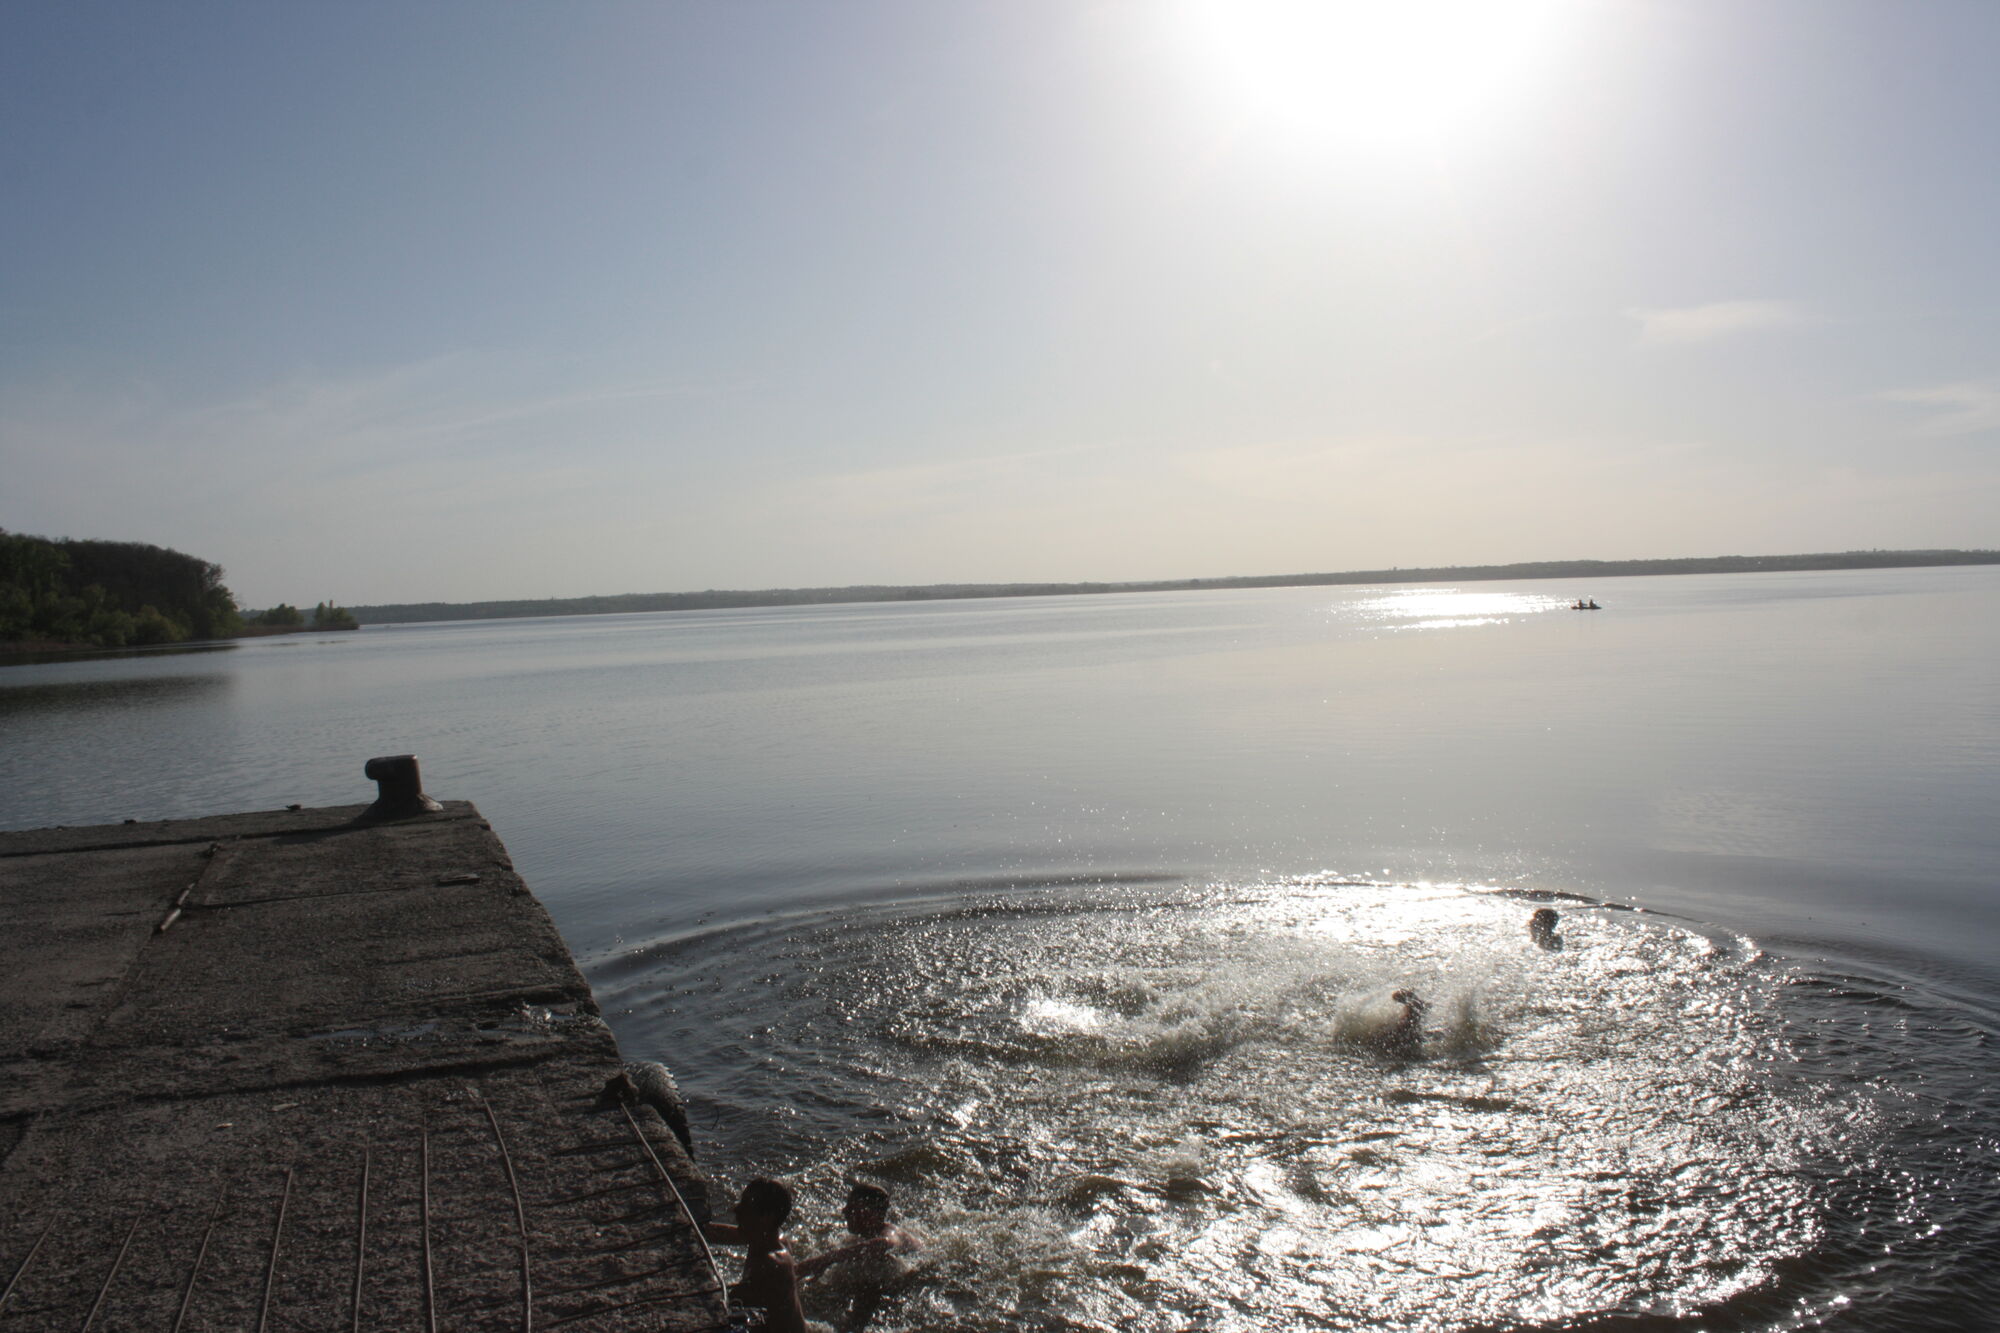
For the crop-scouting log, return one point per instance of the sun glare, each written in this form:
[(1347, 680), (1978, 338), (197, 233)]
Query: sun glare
[(1386, 74)]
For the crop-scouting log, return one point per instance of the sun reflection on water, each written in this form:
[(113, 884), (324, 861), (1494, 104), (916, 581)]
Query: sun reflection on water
[(1451, 608), (1169, 1109)]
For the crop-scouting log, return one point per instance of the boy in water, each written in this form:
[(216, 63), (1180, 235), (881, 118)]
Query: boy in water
[(872, 1263), (1542, 928), (1407, 1037), (770, 1280)]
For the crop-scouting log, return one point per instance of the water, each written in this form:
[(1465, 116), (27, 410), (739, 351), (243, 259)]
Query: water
[(1075, 920)]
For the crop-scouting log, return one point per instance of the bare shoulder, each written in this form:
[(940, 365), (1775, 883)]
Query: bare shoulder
[(773, 1274)]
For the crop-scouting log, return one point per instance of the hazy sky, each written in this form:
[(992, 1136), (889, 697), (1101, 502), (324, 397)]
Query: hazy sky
[(397, 302)]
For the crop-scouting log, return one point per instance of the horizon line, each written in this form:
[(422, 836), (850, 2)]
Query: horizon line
[(723, 598)]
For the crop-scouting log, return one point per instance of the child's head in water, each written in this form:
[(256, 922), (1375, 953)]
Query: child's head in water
[(866, 1211), (1542, 928), (1407, 1037)]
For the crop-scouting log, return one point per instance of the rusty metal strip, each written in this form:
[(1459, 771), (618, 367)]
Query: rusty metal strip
[(116, 1263), (714, 1272), (277, 1237), (430, 1280), (15, 1280), (201, 1253), (520, 1220), (361, 1236)]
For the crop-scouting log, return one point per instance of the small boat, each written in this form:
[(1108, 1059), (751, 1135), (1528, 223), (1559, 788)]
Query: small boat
[(1581, 605)]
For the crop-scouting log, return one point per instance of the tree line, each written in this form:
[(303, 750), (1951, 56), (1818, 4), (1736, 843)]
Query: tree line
[(109, 594), (105, 594)]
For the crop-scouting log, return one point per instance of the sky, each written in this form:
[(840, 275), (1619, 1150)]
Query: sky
[(384, 302)]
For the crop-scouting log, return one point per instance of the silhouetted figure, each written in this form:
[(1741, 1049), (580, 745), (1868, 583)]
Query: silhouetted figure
[(1542, 929), (770, 1281), (871, 1265), (1407, 1037)]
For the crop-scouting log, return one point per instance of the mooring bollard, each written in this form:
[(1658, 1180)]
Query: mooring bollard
[(399, 786)]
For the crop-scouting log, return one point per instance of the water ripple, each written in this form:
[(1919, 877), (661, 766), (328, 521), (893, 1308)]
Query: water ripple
[(1167, 1107)]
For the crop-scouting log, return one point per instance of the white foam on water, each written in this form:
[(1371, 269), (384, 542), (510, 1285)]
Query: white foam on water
[(1149, 1112)]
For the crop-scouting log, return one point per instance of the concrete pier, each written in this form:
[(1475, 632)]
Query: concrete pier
[(298, 1070)]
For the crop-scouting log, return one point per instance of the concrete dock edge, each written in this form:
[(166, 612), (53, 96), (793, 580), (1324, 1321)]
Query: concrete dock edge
[(308, 1069)]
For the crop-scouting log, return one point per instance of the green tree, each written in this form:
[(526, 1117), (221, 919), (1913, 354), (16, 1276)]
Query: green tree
[(149, 626), (328, 616), (109, 594), (17, 612)]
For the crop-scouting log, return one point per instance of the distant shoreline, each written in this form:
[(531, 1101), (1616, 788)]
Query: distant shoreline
[(714, 599), (30, 652), (265, 631)]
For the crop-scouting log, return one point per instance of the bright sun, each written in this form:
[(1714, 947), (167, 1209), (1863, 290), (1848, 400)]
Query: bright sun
[(1389, 74)]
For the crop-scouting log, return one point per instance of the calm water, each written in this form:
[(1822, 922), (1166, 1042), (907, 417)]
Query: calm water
[(1074, 921)]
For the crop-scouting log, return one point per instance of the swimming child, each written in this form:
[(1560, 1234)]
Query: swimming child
[(871, 1265), (770, 1282), (1407, 1037)]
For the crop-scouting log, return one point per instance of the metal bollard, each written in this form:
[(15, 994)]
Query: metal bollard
[(400, 788)]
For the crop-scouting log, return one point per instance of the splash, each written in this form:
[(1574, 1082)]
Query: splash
[(1151, 1109)]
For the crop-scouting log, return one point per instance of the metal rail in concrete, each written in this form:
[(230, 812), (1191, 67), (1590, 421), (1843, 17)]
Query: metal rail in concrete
[(299, 1070)]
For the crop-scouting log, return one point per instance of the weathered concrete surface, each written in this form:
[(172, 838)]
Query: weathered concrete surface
[(356, 1083)]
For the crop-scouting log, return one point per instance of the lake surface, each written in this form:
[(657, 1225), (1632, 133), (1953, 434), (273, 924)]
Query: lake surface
[(1075, 921)]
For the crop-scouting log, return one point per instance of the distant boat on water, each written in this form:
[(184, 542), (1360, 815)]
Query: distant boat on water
[(1581, 605)]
